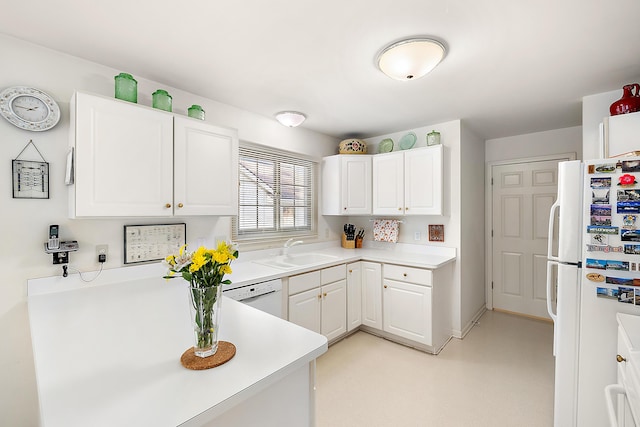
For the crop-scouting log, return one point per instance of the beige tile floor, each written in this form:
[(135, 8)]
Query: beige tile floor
[(500, 374)]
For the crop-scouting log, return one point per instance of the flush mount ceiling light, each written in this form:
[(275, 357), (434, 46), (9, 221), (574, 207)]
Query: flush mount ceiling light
[(290, 118), (410, 59)]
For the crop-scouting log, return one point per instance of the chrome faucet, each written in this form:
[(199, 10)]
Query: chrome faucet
[(290, 243)]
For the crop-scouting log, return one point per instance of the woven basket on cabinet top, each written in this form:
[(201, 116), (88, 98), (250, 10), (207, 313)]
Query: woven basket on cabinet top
[(352, 146)]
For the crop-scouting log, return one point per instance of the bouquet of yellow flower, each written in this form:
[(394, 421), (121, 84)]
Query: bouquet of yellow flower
[(204, 269)]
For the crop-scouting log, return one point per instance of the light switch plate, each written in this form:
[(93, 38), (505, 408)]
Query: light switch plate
[(417, 235)]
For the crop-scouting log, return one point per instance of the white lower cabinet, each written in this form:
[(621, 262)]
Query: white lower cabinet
[(318, 301), (404, 304), (415, 305), (354, 295), (407, 310), (371, 294), (304, 309)]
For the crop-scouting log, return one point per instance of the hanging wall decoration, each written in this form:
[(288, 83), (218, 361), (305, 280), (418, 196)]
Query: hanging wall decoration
[(30, 178)]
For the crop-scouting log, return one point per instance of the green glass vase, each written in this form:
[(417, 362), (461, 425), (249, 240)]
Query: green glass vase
[(126, 87), (161, 100)]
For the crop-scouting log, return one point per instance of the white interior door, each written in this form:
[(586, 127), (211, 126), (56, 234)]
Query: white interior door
[(522, 195)]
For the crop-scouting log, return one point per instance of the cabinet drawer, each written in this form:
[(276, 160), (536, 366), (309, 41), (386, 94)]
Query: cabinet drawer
[(304, 282), (407, 274), (333, 274)]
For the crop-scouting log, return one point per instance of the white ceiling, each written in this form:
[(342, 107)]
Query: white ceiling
[(512, 67)]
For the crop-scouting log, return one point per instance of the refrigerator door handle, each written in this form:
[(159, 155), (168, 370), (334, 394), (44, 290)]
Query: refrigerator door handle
[(610, 392), (552, 217), (553, 315)]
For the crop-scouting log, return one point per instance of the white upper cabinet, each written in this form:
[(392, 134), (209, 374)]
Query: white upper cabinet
[(205, 157), (346, 185), (423, 181), (133, 161), (408, 182), (388, 184)]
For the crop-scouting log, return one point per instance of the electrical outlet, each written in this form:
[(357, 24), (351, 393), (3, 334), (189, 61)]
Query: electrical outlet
[(102, 251), (417, 235)]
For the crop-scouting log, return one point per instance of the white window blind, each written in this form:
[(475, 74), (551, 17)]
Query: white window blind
[(276, 194)]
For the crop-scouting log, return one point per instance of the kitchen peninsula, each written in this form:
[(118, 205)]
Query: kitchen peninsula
[(108, 353)]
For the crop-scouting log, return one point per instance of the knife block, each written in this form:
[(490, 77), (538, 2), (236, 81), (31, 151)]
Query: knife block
[(348, 244)]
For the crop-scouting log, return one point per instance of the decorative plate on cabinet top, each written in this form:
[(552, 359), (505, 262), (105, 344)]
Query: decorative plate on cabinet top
[(408, 141), (385, 146)]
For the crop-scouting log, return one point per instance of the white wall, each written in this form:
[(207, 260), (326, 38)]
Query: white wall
[(558, 141), (594, 109), (472, 221), (463, 189), (25, 222)]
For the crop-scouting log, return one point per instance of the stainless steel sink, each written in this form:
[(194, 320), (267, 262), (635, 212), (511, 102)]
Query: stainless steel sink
[(289, 262)]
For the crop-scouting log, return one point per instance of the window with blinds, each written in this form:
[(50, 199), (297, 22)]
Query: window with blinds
[(276, 194)]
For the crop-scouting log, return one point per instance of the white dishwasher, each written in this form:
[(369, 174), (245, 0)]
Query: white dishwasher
[(265, 296)]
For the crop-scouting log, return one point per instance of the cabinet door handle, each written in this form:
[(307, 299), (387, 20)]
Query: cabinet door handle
[(319, 296), (350, 271), (620, 359), (345, 208), (406, 209), (385, 286), (168, 205), (325, 294), (180, 205), (404, 274), (399, 209)]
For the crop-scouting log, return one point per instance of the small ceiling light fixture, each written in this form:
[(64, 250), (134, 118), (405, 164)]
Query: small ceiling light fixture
[(290, 118), (410, 59)]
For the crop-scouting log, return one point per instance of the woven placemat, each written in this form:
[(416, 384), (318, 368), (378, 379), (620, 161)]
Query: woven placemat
[(225, 352)]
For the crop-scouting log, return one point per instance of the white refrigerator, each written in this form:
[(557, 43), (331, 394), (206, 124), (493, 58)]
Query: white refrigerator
[(593, 272)]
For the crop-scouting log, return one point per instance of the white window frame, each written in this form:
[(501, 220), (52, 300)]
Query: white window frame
[(267, 236)]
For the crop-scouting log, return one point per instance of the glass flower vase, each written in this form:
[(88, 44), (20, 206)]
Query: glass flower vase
[(205, 317)]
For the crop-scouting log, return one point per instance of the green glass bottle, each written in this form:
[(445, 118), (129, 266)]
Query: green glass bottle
[(196, 112), (161, 100), (126, 87), (433, 138)]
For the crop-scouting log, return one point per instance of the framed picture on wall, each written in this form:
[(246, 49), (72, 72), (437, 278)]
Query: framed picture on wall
[(436, 233)]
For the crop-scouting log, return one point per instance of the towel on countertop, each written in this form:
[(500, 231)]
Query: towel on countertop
[(385, 230)]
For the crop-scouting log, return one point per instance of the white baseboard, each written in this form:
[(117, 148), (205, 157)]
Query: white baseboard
[(470, 324)]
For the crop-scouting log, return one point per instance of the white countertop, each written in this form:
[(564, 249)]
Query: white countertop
[(251, 271), (109, 351), (108, 354)]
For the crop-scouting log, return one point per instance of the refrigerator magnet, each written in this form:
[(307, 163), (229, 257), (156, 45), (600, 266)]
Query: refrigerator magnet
[(617, 265), (626, 295), (600, 196), (630, 236), (597, 264), (630, 166), (620, 281), (628, 207), (605, 168), (629, 222), (600, 182), (600, 229), (595, 277), (627, 180), (611, 293), (632, 249)]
